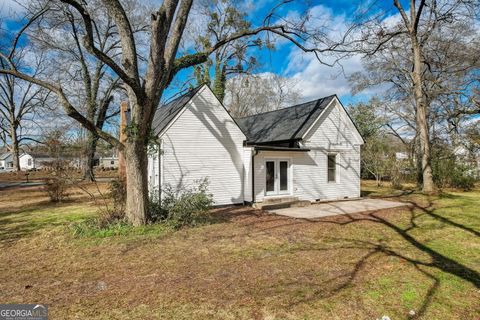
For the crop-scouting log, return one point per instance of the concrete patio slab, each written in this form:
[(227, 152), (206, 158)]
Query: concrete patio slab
[(338, 207)]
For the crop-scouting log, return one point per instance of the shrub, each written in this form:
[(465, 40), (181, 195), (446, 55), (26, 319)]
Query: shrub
[(155, 208), (56, 189), (461, 178), (182, 205), (118, 193), (116, 213), (449, 172)]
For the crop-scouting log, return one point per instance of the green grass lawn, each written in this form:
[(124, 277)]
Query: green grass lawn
[(247, 264)]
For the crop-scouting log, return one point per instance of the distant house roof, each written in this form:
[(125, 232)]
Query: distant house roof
[(38, 155), (285, 124), (5, 155), (167, 112)]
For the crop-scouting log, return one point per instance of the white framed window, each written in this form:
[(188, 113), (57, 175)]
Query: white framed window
[(332, 167)]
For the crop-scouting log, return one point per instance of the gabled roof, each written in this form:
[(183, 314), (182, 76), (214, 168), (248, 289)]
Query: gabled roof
[(37, 155), (5, 155), (284, 124), (167, 112)]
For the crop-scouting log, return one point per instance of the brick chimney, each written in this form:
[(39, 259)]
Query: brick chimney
[(122, 170)]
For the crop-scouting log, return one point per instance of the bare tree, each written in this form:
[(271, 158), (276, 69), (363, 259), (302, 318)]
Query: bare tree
[(86, 78), (251, 94), (404, 44), (19, 100), (145, 86), (223, 18)]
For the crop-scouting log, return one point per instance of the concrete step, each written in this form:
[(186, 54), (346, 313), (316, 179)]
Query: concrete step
[(281, 204), (301, 203), (279, 199)]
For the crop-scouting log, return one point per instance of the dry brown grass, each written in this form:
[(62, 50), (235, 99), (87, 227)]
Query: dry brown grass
[(248, 264)]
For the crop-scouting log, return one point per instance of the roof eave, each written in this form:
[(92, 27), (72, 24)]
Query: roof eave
[(269, 148), (253, 143)]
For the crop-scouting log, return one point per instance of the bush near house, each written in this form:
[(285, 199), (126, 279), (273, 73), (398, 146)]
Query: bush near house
[(181, 205)]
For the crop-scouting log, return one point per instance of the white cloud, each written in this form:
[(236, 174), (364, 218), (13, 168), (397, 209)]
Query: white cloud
[(8, 8), (315, 80)]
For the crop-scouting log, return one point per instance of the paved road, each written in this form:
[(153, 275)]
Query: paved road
[(19, 184), (23, 184)]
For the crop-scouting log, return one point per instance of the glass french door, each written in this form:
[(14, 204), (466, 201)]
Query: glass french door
[(277, 177)]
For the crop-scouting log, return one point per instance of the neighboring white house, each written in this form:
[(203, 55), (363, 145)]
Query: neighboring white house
[(108, 162), (310, 151), (469, 158), (6, 161), (402, 155), (34, 160)]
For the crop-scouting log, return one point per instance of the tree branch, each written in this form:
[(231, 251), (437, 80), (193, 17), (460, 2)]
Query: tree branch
[(200, 57), (132, 79), (403, 14), (67, 106)]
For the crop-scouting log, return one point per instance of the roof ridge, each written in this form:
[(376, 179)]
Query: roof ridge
[(188, 91), (296, 105)]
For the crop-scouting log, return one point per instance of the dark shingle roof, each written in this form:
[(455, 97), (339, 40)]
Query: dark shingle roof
[(283, 124), (167, 112)]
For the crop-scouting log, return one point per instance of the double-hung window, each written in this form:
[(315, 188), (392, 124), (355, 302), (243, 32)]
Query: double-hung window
[(332, 164)]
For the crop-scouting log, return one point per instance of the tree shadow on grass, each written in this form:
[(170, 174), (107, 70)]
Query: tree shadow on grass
[(430, 211), (438, 260), (334, 285)]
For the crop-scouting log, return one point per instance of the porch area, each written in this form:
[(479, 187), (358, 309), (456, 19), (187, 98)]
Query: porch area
[(320, 210)]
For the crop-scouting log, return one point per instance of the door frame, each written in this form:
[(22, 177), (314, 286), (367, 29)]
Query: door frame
[(277, 192)]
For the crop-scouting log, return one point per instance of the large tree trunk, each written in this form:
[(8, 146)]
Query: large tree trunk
[(122, 170), (136, 208), (90, 149), (421, 118), (15, 149)]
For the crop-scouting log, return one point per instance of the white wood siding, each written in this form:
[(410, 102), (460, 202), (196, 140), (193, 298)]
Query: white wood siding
[(247, 163), (204, 141), (153, 173), (24, 165), (333, 133)]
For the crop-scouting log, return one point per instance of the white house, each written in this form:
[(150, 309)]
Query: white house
[(470, 158), (108, 162), (6, 161), (309, 151), (33, 160)]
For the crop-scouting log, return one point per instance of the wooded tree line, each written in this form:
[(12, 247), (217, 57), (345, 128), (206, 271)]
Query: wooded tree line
[(87, 56), (427, 61)]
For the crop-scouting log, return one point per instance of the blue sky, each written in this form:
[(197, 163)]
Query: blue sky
[(313, 79)]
